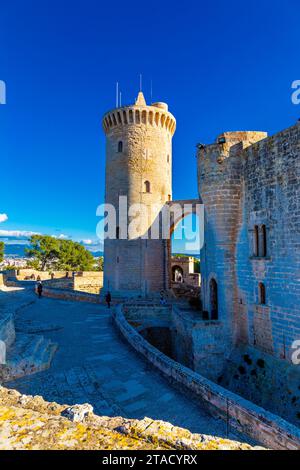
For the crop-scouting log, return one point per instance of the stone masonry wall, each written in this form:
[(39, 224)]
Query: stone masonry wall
[(271, 186), (247, 180), (22, 274), (246, 417), (91, 282), (265, 380), (198, 344), (65, 294), (219, 181), (135, 266)]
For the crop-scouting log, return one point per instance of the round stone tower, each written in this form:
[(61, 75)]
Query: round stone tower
[(220, 183), (138, 167)]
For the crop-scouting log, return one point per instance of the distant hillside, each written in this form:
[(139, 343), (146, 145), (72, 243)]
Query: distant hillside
[(194, 255), (96, 254), (18, 251)]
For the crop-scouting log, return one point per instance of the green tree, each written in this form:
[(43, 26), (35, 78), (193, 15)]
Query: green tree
[(196, 265), (74, 257), (1, 251), (49, 253), (43, 249), (100, 263), (33, 264)]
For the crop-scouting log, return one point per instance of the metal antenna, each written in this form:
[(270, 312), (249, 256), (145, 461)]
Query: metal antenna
[(120, 99), (117, 95)]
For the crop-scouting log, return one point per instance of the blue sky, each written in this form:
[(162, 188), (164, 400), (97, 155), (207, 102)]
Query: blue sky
[(222, 65)]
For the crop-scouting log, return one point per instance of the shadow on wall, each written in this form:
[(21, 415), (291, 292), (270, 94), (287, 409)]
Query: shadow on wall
[(265, 380), (160, 338)]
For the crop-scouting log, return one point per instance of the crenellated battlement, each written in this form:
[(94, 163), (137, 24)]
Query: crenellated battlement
[(156, 115), (230, 143)]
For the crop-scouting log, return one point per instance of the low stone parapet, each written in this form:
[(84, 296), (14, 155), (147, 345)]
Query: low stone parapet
[(7, 328), (246, 417), (77, 296)]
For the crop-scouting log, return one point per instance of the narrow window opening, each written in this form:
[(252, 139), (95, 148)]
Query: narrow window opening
[(213, 288), (263, 241), (120, 146), (117, 233), (262, 293), (147, 187), (256, 241)]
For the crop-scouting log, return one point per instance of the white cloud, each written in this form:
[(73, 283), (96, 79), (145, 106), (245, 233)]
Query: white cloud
[(3, 218), (87, 242), (62, 236), (17, 233)]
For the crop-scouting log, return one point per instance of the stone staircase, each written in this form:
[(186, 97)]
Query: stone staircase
[(30, 353)]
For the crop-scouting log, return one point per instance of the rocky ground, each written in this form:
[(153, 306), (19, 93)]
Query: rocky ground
[(30, 423)]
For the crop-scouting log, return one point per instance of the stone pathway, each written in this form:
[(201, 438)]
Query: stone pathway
[(93, 364), (15, 297)]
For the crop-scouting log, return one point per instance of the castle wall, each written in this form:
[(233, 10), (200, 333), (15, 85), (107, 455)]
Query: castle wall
[(271, 172), (247, 180), (24, 274), (88, 281), (265, 380), (220, 186), (198, 344), (261, 425)]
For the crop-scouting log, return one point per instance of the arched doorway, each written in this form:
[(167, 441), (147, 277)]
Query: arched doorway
[(177, 274), (184, 255), (185, 235), (213, 295)]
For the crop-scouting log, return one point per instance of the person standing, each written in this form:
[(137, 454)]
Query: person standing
[(108, 299), (40, 289)]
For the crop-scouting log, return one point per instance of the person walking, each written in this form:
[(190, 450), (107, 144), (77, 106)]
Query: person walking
[(108, 299), (40, 289)]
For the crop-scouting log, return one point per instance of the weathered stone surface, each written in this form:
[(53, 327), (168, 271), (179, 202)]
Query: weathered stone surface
[(25, 353), (78, 413), (30, 423)]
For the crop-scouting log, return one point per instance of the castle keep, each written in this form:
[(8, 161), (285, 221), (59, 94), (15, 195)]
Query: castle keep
[(139, 166)]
